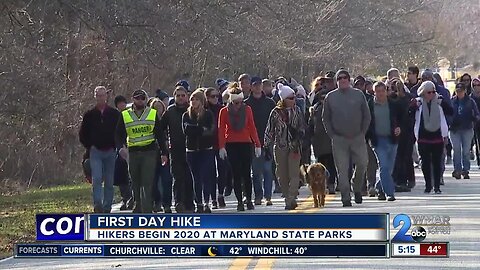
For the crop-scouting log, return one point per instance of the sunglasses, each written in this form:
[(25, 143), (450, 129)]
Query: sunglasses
[(342, 78), (140, 98)]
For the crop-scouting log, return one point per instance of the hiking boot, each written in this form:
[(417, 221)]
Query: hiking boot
[(214, 205), (250, 205), (207, 209), (438, 191), (358, 198), (157, 208), (123, 207), (258, 201), (269, 202), (199, 209), (402, 188), (221, 202), (456, 175), (347, 204), (465, 175), (180, 208), (331, 189), (240, 207), (167, 210), (391, 198), (381, 196), (411, 184), (427, 190)]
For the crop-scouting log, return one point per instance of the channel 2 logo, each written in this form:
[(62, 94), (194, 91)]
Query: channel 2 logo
[(417, 234)]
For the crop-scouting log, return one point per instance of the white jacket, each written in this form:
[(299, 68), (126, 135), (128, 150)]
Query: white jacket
[(418, 114)]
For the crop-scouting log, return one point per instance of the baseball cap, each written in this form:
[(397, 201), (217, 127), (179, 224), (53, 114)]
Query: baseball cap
[(255, 80), (139, 92)]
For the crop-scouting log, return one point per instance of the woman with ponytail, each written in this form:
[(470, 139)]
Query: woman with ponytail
[(236, 133)]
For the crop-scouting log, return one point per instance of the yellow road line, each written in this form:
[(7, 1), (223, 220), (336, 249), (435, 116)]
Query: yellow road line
[(303, 207), (240, 263)]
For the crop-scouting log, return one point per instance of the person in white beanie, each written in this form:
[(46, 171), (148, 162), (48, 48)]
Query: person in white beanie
[(431, 132), (285, 131), (236, 133)]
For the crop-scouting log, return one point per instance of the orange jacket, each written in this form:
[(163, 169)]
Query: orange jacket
[(227, 134)]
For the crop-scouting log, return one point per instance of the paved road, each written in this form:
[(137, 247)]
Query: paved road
[(459, 200)]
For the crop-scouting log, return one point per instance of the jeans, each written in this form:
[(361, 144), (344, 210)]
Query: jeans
[(162, 185), (461, 141), (262, 172), (103, 167), (386, 152), (202, 165)]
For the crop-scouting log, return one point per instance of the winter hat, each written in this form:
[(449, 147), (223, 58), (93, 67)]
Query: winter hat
[(425, 86), (161, 94), (184, 84), (301, 91), (221, 82), (342, 72), (284, 91)]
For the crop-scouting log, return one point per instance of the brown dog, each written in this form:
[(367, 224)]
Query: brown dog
[(316, 176)]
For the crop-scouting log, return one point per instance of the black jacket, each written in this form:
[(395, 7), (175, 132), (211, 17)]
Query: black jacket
[(261, 108), (199, 133), (395, 121), (98, 129), (172, 121), (215, 109)]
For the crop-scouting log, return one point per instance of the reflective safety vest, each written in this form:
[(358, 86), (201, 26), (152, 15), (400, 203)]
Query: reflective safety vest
[(139, 130)]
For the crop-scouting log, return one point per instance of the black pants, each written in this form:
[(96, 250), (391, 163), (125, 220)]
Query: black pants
[(328, 161), (222, 176), (183, 181), (431, 155), (403, 171), (240, 157), (476, 141), (126, 192)]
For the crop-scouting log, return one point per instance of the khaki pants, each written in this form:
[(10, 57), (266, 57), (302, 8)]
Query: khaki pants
[(142, 171), (288, 169), (343, 150)]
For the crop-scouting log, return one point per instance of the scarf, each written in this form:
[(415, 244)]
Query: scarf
[(237, 118), (431, 118)]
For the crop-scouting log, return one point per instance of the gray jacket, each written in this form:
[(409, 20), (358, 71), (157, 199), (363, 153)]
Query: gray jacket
[(346, 113)]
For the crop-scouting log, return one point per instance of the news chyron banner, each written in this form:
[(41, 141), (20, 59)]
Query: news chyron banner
[(231, 227), (199, 235)]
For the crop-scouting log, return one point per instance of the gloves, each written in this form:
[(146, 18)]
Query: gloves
[(222, 153), (268, 154), (258, 152)]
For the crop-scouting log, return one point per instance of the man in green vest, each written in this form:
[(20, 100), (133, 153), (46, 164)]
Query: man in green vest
[(139, 130)]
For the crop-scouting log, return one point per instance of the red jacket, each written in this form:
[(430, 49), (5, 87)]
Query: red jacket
[(227, 134)]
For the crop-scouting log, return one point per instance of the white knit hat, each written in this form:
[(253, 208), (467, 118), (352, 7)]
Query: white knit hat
[(284, 91), (425, 86)]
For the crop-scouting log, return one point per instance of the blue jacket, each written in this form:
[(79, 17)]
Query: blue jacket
[(465, 113)]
